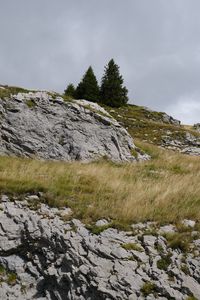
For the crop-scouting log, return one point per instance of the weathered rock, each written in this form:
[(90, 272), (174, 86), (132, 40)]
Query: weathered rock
[(102, 222), (170, 120), (186, 143), (188, 223), (38, 124), (52, 259), (197, 127), (167, 229)]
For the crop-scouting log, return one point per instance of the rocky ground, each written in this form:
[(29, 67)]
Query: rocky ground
[(158, 128), (197, 127), (45, 254), (43, 125), (190, 144)]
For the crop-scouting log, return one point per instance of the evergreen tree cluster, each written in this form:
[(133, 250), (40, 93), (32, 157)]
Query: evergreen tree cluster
[(111, 92)]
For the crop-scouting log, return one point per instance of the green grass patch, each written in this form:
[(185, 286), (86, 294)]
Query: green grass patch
[(97, 229), (179, 241), (30, 103), (148, 288), (124, 193), (7, 91), (164, 262), (148, 125), (12, 278), (2, 269), (132, 246)]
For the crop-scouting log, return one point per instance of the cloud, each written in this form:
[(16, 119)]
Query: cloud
[(47, 44), (186, 109)]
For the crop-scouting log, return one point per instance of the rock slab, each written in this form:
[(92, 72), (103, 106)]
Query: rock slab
[(44, 257), (43, 125)]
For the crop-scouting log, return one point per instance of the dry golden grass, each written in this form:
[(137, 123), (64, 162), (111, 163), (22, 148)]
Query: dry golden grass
[(165, 189)]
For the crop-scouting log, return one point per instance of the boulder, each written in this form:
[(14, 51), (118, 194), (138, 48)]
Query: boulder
[(170, 120), (43, 125), (197, 127)]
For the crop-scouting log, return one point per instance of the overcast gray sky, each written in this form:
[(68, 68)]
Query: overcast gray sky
[(45, 44)]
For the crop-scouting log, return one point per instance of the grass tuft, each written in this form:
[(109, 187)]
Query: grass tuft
[(132, 246), (164, 262), (148, 288)]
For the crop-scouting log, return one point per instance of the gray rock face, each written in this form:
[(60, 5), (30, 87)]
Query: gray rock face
[(170, 120), (187, 144), (37, 124), (197, 127), (165, 118), (44, 257)]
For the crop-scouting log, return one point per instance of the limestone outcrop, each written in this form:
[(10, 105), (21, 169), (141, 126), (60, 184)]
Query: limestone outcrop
[(187, 143), (197, 127), (43, 256), (43, 125)]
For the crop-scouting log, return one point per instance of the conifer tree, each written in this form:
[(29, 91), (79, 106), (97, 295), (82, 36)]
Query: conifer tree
[(112, 91), (88, 87), (70, 90)]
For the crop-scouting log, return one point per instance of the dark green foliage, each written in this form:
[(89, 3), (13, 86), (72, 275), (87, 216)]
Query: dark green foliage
[(148, 288), (70, 90), (164, 262), (88, 87), (112, 91)]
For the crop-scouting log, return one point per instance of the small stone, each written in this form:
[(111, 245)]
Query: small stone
[(188, 223), (132, 297), (102, 222), (32, 198), (149, 240), (138, 226), (51, 271), (65, 212), (4, 198), (167, 229), (120, 253)]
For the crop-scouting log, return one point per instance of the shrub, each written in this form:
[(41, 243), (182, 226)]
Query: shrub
[(164, 262), (148, 288), (132, 246)]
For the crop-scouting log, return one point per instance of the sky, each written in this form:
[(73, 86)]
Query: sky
[(46, 44)]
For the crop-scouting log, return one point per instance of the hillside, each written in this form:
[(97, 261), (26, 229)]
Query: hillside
[(44, 125), (125, 225), (157, 128), (142, 123)]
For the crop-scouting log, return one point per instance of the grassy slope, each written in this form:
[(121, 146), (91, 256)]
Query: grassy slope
[(165, 189), (7, 91), (147, 125)]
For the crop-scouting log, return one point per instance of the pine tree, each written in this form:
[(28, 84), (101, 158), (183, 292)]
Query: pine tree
[(70, 90), (112, 91), (88, 87)]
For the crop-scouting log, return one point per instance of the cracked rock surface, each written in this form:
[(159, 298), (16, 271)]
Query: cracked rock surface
[(43, 256), (38, 124), (190, 144)]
